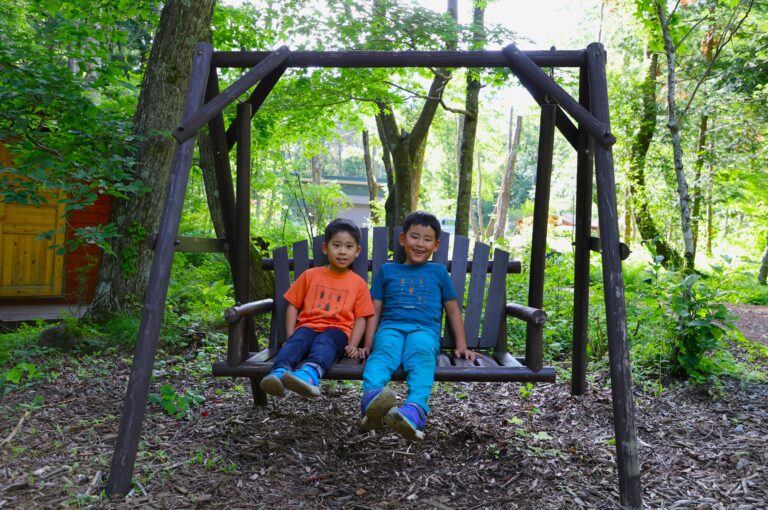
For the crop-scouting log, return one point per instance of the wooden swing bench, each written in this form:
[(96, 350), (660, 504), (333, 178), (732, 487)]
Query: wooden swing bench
[(483, 293)]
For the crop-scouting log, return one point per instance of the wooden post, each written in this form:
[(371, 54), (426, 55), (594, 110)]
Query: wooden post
[(534, 337), (135, 404), (257, 98), (189, 127), (238, 344), (221, 165), (543, 84), (613, 284), (583, 225)]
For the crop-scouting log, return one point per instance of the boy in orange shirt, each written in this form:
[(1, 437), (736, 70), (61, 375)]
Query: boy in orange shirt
[(327, 307)]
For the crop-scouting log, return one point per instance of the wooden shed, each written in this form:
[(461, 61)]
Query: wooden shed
[(31, 272)]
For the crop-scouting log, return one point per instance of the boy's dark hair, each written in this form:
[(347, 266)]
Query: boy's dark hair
[(424, 219), (342, 225)]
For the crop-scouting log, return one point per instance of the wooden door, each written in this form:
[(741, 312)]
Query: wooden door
[(28, 265)]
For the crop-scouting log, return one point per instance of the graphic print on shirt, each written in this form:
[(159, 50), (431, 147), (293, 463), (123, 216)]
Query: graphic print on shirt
[(329, 302), (411, 291)]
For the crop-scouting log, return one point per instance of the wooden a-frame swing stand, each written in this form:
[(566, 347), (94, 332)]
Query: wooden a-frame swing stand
[(590, 136)]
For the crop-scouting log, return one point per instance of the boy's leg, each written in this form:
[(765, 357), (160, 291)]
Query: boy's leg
[(327, 347), (379, 367), (419, 360), (292, 351), (384, 360)]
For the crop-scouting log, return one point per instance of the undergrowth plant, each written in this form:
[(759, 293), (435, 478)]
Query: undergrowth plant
[(177, 405)]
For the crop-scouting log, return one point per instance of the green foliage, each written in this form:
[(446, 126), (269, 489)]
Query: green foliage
[(179, 406), (137, 234), (24, 375), (701, 322)]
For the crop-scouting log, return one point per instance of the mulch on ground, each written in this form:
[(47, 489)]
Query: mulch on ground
[(487, 446)]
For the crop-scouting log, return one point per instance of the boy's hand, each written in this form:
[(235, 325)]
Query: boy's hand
[(465, 353), (351, 351), (363, 352)]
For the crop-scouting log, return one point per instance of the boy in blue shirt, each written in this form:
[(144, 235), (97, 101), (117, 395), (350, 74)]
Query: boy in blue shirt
[(408, 300)]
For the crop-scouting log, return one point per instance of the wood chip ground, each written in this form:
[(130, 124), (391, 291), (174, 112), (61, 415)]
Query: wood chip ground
[(487, 446)]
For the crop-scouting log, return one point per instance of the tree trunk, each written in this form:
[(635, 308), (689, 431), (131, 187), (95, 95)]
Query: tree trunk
[(386, 159), (701, 150), (638, 151), (498, 224), (407, 148), (627, 219), (479, 201), (761, 276), (677, 148), (457, 155), (710, 182), (123, 277), (373, 188), (469, 132), (316, 164)]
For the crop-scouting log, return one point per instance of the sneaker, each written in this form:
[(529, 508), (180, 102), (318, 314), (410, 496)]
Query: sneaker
[(272, 383), (375, 405), (303, 381), (408, 421)]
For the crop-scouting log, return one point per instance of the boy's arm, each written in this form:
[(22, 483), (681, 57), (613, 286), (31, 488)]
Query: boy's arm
[(457, 327), (291, 313), (358, 329), (370, 328)]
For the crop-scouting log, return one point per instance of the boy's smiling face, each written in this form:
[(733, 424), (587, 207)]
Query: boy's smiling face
[(342, 250), (419, 243)]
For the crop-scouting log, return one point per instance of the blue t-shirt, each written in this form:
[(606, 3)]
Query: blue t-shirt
[(413, 294)]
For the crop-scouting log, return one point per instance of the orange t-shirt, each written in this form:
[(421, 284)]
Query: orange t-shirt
[(329, 300)]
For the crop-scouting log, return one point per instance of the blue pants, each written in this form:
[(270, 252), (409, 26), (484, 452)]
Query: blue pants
[(412, 346), (321, 350)]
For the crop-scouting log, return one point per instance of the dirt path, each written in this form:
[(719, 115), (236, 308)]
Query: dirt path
[(753, 321)]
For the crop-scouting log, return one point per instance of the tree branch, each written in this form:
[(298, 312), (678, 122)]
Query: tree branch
[(714, 57)]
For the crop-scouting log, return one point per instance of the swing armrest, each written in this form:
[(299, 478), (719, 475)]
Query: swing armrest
[(237, 312), (526, 313)]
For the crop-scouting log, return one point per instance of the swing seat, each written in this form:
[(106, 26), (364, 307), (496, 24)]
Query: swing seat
[(485, 315)]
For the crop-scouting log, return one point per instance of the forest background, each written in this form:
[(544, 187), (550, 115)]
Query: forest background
[(688, 107)]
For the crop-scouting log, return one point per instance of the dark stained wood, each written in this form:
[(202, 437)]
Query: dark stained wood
[(318, 257), (534, 333), (495, 301), (455, 373), (258, 96), (526, 313), (458, 270), (237, 312), (475, 296), (379, 250), (242, 249), (441, 255), (596, 246), (221, 163), (189, 127), (372, 59), (135, 403), (300, 258), (521, 65), (613, 284), (459, 267), (360, 265), (282, 282), (194, 244), (563, 123), (582, 241), (399, 255)]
